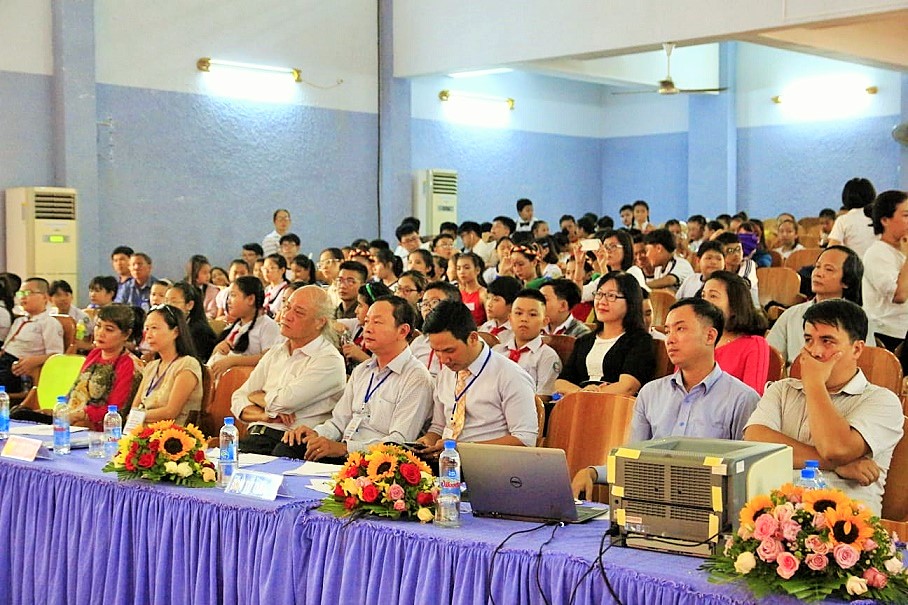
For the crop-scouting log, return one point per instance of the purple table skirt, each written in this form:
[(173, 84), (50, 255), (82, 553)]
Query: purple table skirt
[(71, 534)]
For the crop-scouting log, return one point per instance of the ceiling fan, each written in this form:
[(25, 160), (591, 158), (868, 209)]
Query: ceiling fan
[(667, 86)]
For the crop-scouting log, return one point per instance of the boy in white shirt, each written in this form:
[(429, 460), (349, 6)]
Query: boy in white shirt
[(526, 348), (31, 339), (501, 295)]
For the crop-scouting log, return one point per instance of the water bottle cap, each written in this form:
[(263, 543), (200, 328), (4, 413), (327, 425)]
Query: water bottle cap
[(812, 464), (112, 409), (2, 389), (228, 421), (61, 399), (450, 444), (808, 473), (557, 396)]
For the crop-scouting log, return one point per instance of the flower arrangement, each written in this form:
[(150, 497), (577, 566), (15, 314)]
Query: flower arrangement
[(812, 544), (164, 451), (388, 481)]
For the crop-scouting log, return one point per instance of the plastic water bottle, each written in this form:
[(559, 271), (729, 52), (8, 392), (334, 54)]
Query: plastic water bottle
[(447, 507), (808, 479), (818, 475), (4, 413), (113, 430), (61, 427), (229, 459)]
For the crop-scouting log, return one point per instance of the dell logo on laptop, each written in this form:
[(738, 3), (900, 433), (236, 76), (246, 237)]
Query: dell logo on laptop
[(516, 482)]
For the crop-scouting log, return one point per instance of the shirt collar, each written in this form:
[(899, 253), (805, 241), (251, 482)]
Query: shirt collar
[(564, 326), (44, 313), (855, 386), (397, 364), (310, 349), (533, 345), (480, 360), (707, 382)]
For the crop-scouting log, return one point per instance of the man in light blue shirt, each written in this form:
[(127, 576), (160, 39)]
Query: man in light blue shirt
[(698, 400)]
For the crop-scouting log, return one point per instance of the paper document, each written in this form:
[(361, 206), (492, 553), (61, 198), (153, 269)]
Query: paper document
[(314, 469), (41, 430), (322, 485), (214, 455)]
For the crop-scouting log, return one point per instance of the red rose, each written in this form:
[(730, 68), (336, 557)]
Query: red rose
[(129, 463), (351, 502), (339, 491), (353, 471), (364, 463), (199, 455), (133, 447), (425, 498), (410, 472), (147, 460), (370, 493), (154, 445), (146, 433)]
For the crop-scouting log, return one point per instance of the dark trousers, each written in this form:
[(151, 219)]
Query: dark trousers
[(270, 444), (12, 382)]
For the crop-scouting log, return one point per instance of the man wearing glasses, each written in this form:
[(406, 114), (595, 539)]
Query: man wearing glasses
[(32, 339), (408, 236), (420, 346), (351, 276), (737, 263)]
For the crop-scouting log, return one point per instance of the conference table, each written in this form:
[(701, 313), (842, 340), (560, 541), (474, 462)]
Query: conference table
[(72, 534)]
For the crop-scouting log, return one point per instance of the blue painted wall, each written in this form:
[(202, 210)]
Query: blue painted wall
[(561, 174), (801, 168), (182, 174)]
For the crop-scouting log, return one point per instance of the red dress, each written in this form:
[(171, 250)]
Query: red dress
[(747, 359), (474, 304)]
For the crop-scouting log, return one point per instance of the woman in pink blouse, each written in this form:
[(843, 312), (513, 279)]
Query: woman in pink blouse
[(742, 351)]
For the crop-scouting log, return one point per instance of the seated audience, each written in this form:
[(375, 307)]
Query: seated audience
[(854, 229), (386, 266), (158, 292), (171, 385), (669, 271), (119, 261), (698, 400), (252, 332), (408, 238), (410, 286), (712, 258), (353, 333), (188, 299), (787, 239), (548, 257), (251, 252), (422, 261), (736, 263), (499, 297), (562, 295), (61, 297), (136, 290), (199, 275), (219, 278), (274, 271), (289, 247), (827, 220), (618, 356), (885, 283), (750, 234), (271, 243), (472, 290), (32, 338), (525, 266), (102, 290), (435, 292), (742, 351), (443, 245), (296, 382), (302, 269), (526, 348), (833, 414), (350, 278), (7, 304), (237, 268), (480, 396), (471, 235)]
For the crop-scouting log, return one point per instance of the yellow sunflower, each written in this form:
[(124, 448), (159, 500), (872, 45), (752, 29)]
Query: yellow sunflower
[(381, 466), (413, 458), (175, 444), (791, 492), (847, 526), (195, 432), (161, 425), (754, 509), (821, 500)]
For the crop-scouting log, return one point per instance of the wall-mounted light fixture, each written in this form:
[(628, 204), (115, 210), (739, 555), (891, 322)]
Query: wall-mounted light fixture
[(453, 95), (207, 63), (475, 73), (778, 99)]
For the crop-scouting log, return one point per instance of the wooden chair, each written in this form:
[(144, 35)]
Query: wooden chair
[(489, 338), (563, 345), (588, 425), (780, 285), (803, 258), (69, 332), (540, 415), (219, 407), (809, 240), (776, 365), (664, 365), (895, 496), (196, 417), (777, 260), (662, 300), (217, 326), (881, 367)]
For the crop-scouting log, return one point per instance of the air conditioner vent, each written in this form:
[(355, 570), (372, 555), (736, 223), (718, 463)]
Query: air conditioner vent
[(55, 207), (444, 182)]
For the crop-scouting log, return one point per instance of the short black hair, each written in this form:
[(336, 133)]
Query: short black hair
[(705, 310), (523, 203), (565, 290), (727, 238), (663, 237), (697, 218), (43, 285), (380, 244), (107, 283), (852, 273), (715, 225), (450, 316), (485, 227), (60, 284), (625, 207), (567, 217), (352, 265), (857, 193), (290, 237), (240, 261), (447, 226), (839, 313), (884, 207), (412, 220), (469, 227), (253, 247), (404, 230), (451, 291), (278, 211), (531, 293), (827, 213), (122, 250), (507, 221), (672, 222), (336, 253), (641, 203), (587, 224), (712, 245), (403, 311), (506, 287), (605, 222)]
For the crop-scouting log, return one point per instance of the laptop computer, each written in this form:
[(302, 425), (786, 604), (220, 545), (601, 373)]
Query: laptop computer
[(521, 483)]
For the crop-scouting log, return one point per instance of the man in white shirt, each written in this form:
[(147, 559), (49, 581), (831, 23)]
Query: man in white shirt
[(31, 339), (471, 235), (480, 396), (669, 271), (388, 398), (420, 346), (271, 244), (297, 382)]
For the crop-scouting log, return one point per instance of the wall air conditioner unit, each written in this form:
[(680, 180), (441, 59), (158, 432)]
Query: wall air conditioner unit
[(41, 236), (435, 198)]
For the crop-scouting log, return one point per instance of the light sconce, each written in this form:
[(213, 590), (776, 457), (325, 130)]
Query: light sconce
[(207, 63), (453, 95), (778, 99)]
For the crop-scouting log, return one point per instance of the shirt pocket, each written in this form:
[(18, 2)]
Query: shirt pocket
[(381, 413)]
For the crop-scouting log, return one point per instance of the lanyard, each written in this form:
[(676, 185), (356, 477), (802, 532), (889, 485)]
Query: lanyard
[(457, 396), (370, 391), (157, 380)]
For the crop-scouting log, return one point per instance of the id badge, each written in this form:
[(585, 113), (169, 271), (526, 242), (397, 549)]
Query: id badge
[(447, 433), (135, 419), (353, 426), (471, 306)]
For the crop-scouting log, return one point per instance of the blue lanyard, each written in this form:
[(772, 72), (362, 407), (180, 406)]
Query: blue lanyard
[(370, 391), (457, 397), (157, 380)]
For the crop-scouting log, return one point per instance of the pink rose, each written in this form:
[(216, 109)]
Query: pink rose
[(765, 526), (400, 505), (395, 492), (845, 555), (783, 513), (819, 520), (816, 562), (788, 565), (870, 545), (874, 578), (790, 530), (816, 544), (769, 549)]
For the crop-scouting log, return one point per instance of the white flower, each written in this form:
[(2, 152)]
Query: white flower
[(855, 585), (745, 562), (183, 469), (170, 467), (893, 565)]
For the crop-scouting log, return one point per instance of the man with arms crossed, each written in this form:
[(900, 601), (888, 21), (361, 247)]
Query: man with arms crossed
[(833, 414)]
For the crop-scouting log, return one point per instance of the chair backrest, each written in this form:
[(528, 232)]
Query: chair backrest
[(779, 284), (69, 331), (219, 408), (57, 378), (662, 300), (563, 345), (540, 416), (880, 366), (489, 338), (217, 326), (895, 497), (802, 258), (587, 425), (809, 240), (777, 260), (776, 365), (664, 365)]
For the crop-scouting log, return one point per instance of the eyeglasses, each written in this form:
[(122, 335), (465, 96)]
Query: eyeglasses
[(428, 305), (407, 290), (24, 293), (346, 281), (609, 296), (444, 246), (411, 239), (327, 263), (611, 247), (734, 250)]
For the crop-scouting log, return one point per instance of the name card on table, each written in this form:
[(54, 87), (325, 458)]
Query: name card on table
[(24, 448), (255, 484)]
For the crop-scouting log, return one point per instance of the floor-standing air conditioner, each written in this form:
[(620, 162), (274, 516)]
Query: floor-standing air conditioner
[(435, 198), (41, 233)]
